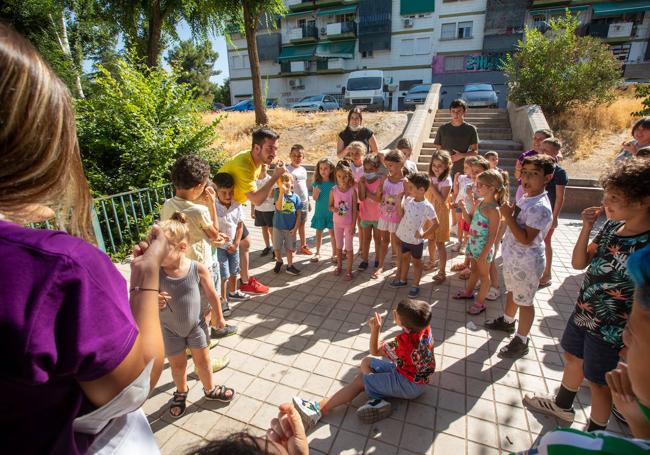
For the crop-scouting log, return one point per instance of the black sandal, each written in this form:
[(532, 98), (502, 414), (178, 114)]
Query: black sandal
[(178, 402), (220, 393)]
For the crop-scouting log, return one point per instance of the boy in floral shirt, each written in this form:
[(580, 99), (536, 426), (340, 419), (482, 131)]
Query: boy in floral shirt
[(411, 365), (592, 339)]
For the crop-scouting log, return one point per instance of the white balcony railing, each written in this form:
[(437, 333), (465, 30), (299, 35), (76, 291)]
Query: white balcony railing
[(295, 33), (334, 29)]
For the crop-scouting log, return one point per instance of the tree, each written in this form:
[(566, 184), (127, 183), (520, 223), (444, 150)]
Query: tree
[(643, 92), (248, 14), (222, 93), (195, 65), (148, 25), (558, 69), (136, 124)]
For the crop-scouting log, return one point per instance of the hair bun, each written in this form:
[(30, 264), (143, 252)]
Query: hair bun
[(180, 217)]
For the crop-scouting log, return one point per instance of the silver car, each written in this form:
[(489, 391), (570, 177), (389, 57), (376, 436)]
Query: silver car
[(417, 95), (480, 95), (316, 103)]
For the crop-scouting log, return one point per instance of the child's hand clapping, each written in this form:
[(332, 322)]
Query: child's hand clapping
[(375, 321), (590, 215)]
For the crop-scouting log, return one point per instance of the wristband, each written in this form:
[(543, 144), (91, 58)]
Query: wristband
[(138, 288)]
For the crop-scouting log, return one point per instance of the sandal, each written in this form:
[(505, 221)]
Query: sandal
[(439, 278), (458, 267), (464, 275), (178, 402), (338, 271), (220, 393), (462, 294), (315, 258), (348, 276), (544, 284), (476, 309), (376, 274)]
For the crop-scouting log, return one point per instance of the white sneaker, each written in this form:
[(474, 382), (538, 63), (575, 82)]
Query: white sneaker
[(374, 410), (547, 406), (493, 293), (309, 411)]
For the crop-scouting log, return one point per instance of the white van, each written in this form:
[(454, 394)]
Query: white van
[(367, 90)]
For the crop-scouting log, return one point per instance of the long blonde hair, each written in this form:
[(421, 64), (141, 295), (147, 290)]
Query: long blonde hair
[(40, 164), (496, 180)]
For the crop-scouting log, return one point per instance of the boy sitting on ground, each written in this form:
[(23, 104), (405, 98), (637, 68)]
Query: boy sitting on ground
[(404, 376)]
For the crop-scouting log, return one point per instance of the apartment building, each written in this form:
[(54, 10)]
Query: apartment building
[(318, 42), (624, 25)]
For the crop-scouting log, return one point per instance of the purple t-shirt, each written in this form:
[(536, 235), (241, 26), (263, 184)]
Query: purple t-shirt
[(64, 317)]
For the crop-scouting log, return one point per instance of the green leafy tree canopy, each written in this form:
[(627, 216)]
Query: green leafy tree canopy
[(136, 124), (195, 65), (559, 68)]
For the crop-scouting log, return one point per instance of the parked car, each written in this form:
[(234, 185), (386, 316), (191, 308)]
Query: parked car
[(248, 105), (416, 95), (316, 103), (480, 95), (218, 107)]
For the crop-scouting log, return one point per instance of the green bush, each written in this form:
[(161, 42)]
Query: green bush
[(559, 68), (643, 92), (135, 124)]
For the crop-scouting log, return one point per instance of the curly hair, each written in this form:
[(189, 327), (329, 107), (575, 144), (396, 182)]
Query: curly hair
[(189, 171), (629, 176)]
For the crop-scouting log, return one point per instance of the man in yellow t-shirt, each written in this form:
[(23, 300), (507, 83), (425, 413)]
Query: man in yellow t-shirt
[(245, 168)]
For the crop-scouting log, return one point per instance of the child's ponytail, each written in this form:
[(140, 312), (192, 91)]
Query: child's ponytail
[(503, 195), (175, 228)]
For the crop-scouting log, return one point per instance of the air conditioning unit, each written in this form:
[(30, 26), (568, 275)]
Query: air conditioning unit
[(296, 83), (408, 22)]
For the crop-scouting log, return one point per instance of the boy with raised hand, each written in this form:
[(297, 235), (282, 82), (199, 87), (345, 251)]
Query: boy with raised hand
[(555, 189), (523, 252), (592, 340), (411, 363)]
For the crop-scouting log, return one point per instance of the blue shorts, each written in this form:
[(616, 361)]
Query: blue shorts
[(386, 382), (228, 263), (598, 357), (216, 280)]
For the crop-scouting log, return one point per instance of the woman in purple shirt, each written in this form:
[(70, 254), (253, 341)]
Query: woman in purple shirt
[(71, 340)]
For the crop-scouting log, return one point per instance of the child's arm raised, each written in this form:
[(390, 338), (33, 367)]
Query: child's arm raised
[(524, 235), (582, 253), (375, 324), (207, 285)]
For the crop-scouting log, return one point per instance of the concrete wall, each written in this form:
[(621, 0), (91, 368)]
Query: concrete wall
[(525, 120), (419, 126)]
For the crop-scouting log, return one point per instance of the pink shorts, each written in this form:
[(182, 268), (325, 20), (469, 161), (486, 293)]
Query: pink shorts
[(343, 236)]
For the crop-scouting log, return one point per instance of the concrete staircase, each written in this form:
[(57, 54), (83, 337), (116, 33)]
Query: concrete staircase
[(494, 133)]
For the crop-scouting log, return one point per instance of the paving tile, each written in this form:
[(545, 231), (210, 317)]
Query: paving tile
[(446, 444), (388, 431), (417, 439), (322, 437), (180, 442), (348, 443)]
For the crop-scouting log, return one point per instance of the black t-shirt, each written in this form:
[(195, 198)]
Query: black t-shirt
[(458, 138), (559, 178), (361, 135)]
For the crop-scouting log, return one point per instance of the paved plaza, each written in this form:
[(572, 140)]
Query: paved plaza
[(307, 338)]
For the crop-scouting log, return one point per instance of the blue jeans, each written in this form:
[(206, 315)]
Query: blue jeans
[(228, 263)]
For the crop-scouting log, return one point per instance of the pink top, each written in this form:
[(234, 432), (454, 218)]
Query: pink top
[(357, 172), (369, 208), (343, 206), (388, 208)]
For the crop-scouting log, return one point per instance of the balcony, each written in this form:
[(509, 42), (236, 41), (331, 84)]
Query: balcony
[(321, 3), (330, 65), (299, 5), (341, 30), (304, 34), (618, 30), (295, 67)]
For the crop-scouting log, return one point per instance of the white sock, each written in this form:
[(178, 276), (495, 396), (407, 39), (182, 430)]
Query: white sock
[(508, 319), (523, 338)]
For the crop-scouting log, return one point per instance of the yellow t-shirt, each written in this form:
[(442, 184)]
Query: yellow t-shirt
[(243, 170), (198, 219)]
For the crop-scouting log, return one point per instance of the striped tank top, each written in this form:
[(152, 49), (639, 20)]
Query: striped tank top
[(183, 310)]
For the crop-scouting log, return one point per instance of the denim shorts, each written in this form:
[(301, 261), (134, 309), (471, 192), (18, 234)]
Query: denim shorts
[(228, 263), (598, 357), (416, 250), (216, 280), (386, 382)]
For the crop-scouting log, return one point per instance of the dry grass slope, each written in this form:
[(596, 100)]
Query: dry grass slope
[(317, 132), (583, 128)]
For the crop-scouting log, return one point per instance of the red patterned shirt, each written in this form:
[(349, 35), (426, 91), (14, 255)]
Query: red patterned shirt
[(412, 353)]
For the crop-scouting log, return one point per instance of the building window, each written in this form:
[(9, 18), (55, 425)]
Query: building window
[(465, 30), (448, 31), (422, 45), (366, 54), (407, 47), (454, 63)]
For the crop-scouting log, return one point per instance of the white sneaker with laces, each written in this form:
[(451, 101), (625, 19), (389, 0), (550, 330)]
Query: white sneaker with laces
[(546, 405), (309, 411), (374, 410)]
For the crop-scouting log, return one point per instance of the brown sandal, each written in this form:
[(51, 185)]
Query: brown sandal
[(439, 278)]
